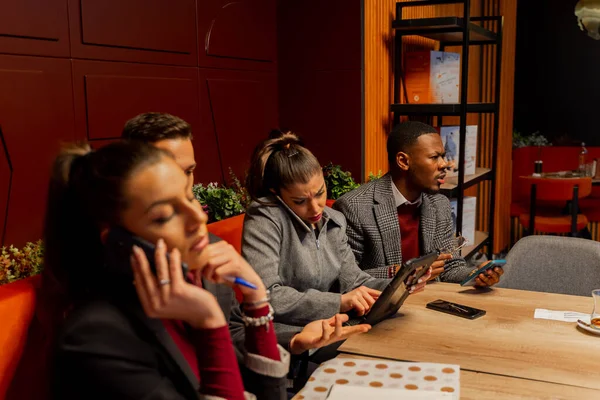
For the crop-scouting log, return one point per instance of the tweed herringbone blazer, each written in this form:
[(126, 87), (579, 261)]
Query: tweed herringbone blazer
[(374, 232)]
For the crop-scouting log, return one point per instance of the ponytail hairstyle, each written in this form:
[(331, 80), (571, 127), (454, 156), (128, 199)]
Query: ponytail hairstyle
[(86, 193), (278, 162)]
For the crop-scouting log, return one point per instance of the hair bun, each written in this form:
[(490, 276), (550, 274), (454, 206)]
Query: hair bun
[(77, 149), (283, 140), (70, 156)]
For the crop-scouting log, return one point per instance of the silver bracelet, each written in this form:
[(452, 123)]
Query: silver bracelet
[(258, 303), (260, 321)]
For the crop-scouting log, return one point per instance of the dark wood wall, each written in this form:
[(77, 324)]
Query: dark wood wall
[(79, 69), (557, 80), (320, 78)]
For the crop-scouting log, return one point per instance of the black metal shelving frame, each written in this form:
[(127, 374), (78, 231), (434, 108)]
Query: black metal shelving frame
[(462, 31)]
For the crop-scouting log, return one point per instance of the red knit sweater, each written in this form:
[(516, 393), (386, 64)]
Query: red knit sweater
[(213, 359), (409, 217)]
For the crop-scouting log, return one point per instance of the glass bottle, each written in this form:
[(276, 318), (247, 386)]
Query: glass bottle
[(595, 317), (582, 157)]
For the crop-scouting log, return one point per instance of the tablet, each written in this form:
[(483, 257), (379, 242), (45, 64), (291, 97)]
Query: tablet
[(396, 292)]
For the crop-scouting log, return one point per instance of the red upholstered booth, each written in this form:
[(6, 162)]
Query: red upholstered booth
[(555, 158), (230, 230), (17, 306)]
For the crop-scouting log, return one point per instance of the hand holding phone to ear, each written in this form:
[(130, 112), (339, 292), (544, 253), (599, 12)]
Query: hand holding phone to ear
[(167, 295)]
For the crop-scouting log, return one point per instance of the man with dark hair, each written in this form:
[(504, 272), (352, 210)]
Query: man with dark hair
[(167, 132), (173, 134), (402, 215)]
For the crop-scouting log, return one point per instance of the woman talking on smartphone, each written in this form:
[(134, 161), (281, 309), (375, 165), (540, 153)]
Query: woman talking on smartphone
[(126, 332), (297, 245)]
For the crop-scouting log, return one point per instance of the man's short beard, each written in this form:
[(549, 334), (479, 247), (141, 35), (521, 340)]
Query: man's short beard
[(432, 191), (426, 190)]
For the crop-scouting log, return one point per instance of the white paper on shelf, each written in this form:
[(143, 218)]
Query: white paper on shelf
[(564, 316)]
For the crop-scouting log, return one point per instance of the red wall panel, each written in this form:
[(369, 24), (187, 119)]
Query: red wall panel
[(107, 94), (121, 58), (37, 27), (244, 109), (237, 34), (319, 35), (148, 31), (324, 108), (5, 183), (36, 110), (320, 93)]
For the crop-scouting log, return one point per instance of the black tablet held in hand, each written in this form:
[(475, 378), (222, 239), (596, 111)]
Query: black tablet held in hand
[(393, 296), (455, 309)]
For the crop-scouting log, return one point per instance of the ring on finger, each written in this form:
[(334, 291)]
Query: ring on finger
[(164, 282)]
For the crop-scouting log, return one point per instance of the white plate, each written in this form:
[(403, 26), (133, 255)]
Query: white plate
[(587, 328)]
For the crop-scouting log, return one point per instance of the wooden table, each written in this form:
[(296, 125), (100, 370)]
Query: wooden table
[(506, 352)]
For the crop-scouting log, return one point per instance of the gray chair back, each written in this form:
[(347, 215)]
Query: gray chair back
[(553, 264)]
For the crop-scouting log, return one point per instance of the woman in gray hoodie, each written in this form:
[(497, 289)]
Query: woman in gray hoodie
[(297, 245)]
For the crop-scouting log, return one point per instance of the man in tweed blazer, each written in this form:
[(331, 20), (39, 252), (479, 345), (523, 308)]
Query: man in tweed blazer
[(417, 169)]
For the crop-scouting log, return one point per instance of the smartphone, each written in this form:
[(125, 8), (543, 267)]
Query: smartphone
[(119, 246), (455, 309), (470, 279)]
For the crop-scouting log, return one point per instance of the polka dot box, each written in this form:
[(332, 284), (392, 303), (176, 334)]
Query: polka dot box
[(437, 378)]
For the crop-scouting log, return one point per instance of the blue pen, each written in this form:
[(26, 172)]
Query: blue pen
[(239, 281)]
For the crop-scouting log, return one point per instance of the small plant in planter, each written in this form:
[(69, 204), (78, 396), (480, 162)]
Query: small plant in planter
[(240, 189), (374, 177), (219, 202), (338, 182), (21, 263), (534, 139)]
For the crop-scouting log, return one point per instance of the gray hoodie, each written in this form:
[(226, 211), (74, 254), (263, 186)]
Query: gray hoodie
[(305, 272)]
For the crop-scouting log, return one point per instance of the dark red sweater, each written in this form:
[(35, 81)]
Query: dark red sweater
[(409, 217), (212, 358)]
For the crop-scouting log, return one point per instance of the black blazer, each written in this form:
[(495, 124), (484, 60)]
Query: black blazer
[(109, 349)]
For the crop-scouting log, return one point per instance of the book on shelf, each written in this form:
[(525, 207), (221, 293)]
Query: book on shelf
[(432, 77), (451, 140), (469, 217)]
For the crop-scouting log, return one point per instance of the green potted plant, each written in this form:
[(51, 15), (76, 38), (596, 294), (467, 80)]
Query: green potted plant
[(338, 182), (21, 263), (218, 201), (534, 139)]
